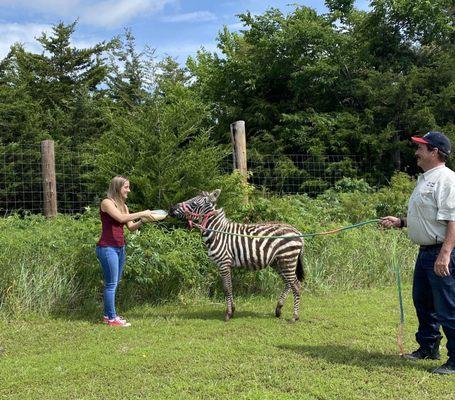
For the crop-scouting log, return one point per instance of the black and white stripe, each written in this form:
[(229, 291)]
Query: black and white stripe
[(229, 251)]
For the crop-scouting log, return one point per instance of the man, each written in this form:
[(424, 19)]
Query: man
[(431, 224)]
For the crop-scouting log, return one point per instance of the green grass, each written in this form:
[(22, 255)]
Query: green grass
[(343, 348)]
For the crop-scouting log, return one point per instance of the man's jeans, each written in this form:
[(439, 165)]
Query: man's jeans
[(112, 260), (434, 301)]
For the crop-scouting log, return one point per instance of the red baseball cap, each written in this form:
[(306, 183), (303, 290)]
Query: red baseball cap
[(435, 139)]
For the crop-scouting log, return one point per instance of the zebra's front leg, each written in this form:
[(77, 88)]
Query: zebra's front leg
[(225, 272)]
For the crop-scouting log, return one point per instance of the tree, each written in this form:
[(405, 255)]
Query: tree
[(345, 82), (57, 95), (19, 112), (63, 82), (163, 146), (128, 72)]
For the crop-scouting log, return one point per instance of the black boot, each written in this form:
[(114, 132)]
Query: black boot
[(431, 353), (445, 369)]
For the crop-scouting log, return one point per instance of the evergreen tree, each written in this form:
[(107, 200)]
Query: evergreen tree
[(64, 83), (127, 80), (163, 146)]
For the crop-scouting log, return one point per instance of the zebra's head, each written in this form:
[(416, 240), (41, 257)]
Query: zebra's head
[(196, 207)]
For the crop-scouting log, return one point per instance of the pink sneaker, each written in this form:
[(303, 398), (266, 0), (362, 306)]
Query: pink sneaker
[(105, 319), (117, 321)]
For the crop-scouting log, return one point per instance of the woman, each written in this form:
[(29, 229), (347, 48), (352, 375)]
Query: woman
[(110, 250)]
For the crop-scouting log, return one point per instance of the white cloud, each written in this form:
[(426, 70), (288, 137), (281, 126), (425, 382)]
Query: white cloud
[(105, 13), (26, 34), (55, 7), (197, 16), (23, 33), (112, 13)]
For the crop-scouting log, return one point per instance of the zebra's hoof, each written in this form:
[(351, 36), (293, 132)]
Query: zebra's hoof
[(278, 312), (293, 320), (227, 317)]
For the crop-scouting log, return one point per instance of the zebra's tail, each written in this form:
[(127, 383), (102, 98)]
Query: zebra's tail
[(299, 272)]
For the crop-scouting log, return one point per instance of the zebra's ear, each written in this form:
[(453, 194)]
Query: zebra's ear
[(214, 195)]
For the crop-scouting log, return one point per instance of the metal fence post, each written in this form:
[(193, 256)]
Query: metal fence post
[(48, 178)]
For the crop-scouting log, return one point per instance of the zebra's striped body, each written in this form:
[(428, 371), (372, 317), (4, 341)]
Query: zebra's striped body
[(228, 248)]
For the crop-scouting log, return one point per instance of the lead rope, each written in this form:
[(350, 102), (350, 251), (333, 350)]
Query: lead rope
[(396, 268), (394, 260), (303, 235)]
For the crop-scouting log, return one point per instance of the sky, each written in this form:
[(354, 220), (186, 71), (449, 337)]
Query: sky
[(176, 28)]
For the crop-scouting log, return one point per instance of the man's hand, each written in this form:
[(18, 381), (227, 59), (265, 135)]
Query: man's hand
[(390, 222), (441, 265)]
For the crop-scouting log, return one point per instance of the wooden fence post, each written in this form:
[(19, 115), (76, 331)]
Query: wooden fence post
[(238, 138), (48, 177)]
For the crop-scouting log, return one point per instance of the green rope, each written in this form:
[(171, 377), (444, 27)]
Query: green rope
[(396, 267), (394, 259), (303, 235)]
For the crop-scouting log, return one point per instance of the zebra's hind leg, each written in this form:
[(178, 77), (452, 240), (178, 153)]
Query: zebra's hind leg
[(282, 297), (225, 272), (296, 285), (291, 282)]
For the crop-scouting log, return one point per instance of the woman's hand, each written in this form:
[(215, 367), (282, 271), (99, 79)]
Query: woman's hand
[(147, 214)]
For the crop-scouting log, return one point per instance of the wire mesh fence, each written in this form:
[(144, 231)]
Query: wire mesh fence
[(75, 186), (21, 184), (21, 177), (301, 173)]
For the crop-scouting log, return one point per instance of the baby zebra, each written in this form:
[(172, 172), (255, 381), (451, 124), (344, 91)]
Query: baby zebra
[(229, 250)]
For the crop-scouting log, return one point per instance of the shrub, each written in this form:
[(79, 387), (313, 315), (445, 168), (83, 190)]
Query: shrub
[(393, 199), (164, 148)]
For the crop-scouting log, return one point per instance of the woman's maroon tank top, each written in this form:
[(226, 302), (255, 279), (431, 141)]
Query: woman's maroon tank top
[(112, 231)]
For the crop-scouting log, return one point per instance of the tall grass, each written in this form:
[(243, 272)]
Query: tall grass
[(357, 259), (50, 266), (45, 264)]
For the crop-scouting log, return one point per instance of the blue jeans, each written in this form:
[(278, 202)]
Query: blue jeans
[(112, 260), (434, 301)]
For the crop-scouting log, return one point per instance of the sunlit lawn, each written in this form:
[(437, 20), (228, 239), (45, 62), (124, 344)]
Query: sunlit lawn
[(344, 347)]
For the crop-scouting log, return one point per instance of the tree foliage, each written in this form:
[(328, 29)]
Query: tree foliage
[(346, 82), (164, 147)]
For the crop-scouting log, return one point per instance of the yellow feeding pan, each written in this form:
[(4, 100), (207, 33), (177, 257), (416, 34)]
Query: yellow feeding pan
[(158, 215)]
